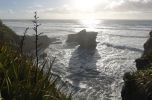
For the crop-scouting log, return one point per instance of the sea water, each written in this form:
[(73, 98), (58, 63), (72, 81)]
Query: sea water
[(97, 74)]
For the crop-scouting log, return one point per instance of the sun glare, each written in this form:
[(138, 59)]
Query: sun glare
[(88, 17), (90, 24)]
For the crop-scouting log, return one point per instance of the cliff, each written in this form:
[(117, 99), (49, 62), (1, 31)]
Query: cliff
[(20, 78), (138, 85), (7, 35)]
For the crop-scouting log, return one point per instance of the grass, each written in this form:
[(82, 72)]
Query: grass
[(138, 85), (17, 74), (20, 77), (143, 79)]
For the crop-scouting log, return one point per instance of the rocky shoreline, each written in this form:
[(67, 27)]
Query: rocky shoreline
[(138, 85)]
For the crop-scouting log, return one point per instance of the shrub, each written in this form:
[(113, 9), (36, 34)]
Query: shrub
[(17, 74)]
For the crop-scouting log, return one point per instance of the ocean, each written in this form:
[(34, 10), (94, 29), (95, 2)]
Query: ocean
[(96, 75)]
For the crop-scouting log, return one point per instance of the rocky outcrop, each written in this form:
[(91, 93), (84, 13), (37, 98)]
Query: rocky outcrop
[(84, 39), (9, 36), (148, 46), (146, 58), (138, 85), (142, 63)]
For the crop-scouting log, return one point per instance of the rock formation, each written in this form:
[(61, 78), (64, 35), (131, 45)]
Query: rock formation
[(144, 61), (84, 39), (9, 36), (138, 85), (148, 46)]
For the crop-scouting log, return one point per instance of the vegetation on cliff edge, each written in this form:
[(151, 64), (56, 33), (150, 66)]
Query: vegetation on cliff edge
[(18, 73), (138, 85)]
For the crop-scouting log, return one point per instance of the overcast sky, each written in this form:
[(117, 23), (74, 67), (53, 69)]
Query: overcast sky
[(76, 9)]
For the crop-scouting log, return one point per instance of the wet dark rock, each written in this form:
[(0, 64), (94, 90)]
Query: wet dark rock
[(84, 39), (142, 63)]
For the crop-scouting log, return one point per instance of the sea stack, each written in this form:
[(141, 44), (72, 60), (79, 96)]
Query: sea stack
[(84, 39)]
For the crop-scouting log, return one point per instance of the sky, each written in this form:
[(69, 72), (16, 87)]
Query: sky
[(76, 9)]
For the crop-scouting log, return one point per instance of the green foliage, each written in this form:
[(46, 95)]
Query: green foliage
[(6, 34), (139, 84), (20, 78), (17, 74)]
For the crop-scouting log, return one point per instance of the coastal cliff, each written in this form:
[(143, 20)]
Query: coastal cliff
[(20, 78), (7, 35), (138, 85)]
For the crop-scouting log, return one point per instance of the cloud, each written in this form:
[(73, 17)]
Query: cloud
[(63, 9), (104, 9), (42, 9), (10, 11), (130, 5), (127, 9), (114, 4)]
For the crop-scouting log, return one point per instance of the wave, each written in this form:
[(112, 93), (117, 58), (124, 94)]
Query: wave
[(129, 36), (117, 28), (123, 47)]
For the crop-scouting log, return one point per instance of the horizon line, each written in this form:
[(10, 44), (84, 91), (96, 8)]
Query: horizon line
[(71, 19)]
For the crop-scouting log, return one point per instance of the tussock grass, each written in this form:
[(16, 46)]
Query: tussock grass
[(20, 77), (18, 74)]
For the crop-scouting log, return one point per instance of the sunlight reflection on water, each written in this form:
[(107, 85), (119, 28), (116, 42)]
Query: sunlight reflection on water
[(90, 24)]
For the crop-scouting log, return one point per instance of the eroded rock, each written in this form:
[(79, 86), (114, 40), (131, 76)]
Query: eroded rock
[(142, 63), (84, 39)]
